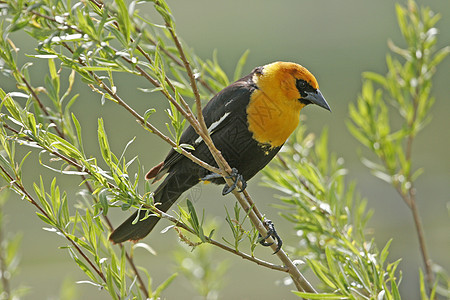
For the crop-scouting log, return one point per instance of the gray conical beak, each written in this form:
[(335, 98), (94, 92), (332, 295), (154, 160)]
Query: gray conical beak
[(317, 98)]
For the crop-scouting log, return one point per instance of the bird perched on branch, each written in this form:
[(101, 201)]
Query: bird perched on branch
[(249, 121)]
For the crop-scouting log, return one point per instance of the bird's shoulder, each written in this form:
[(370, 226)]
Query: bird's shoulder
[(232, 99)]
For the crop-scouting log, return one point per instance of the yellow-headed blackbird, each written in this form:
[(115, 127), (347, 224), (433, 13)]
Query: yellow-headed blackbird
[(249, 121)]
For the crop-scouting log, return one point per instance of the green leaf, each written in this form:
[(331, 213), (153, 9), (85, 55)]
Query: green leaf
[(164, 286), (395, 291), (110, 284), (11, 106), (375, 77), (82, 265), (103, 201), (401, 19), (439, 57), (385, 252), (331, 261), (78, 130), (45, 219), (240, 65), (320, 270), (195, 221), (423, 290), (148, 113), (63, 145), (162, 8), (103, 142), (124, 20)]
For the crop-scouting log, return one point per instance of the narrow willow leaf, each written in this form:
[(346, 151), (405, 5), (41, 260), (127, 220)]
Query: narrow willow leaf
[(82, 265), (319, 270), (110, 284), (195, 221), (103, 201), (164, 286), (378, 78), (103, 142), (439, 57), (384, 253), (240, 65)]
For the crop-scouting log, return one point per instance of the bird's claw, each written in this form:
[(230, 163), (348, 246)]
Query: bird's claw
[(271, 232), (236, 178)]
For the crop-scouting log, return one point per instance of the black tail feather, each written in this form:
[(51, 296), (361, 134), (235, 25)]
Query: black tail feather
[(166, 194), (134, 232)]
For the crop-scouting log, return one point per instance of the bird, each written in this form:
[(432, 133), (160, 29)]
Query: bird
[(248, 121)]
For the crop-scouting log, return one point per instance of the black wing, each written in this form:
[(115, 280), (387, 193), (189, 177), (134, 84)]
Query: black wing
[(226, 106)]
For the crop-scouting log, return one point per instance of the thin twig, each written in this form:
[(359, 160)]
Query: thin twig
[(191, 77), (421, 235)]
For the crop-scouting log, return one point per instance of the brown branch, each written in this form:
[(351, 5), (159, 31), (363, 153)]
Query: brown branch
[(191, 77), (421, 235)]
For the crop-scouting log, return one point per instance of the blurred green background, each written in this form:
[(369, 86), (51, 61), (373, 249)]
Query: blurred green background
[(336, 41)]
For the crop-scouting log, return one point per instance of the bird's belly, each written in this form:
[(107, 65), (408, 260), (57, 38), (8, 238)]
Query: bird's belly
[(241, 151)]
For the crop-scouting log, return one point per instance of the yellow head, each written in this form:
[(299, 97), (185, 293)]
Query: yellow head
[(284, 88)]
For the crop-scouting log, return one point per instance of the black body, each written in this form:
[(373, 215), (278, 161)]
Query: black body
[(231, 136)]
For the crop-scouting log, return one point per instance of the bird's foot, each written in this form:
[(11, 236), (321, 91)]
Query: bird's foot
[(271, 232), (236, 178)]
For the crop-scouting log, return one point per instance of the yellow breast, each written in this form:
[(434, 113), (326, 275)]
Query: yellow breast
[(274, 108), (271, 121)]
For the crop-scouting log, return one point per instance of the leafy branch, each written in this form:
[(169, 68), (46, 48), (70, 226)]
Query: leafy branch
[(406, 90), (96, 48), (330, 219)]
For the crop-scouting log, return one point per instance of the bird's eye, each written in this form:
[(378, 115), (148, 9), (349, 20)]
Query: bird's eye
[(301, 84)]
